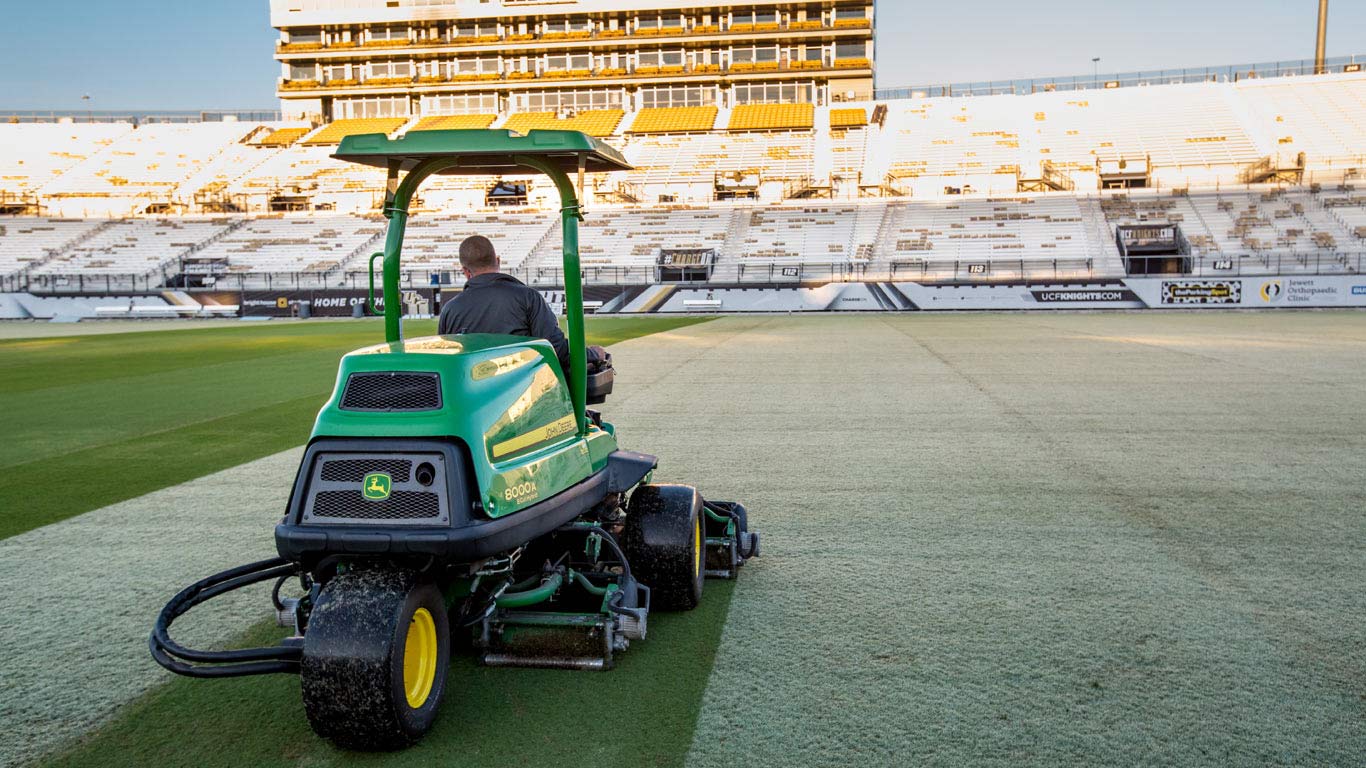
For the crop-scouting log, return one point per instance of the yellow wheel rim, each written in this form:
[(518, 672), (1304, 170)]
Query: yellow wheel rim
[(697, 547), (419, 658)]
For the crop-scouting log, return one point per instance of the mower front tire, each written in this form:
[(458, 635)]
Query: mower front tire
[(665, 544), (376, 653)]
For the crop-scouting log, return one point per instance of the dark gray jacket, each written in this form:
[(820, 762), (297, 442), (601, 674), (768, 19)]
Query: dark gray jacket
[(499, 303)]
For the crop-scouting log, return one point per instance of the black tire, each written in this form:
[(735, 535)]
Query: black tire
[(355, 649), (662, 540)]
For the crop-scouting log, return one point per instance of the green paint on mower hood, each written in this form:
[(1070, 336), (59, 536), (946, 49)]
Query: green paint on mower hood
[(504, 397)]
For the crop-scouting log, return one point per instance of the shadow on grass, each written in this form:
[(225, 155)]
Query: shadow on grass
[(640, 714)]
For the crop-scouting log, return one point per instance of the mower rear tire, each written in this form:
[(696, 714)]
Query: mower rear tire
[(665, 544), (375, 658)]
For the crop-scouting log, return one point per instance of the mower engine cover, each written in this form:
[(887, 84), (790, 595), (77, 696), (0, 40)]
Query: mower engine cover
[(426, 440)]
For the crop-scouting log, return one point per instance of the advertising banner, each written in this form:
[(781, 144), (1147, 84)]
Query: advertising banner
[(338, 302), (1267, 292), (1093, 295)]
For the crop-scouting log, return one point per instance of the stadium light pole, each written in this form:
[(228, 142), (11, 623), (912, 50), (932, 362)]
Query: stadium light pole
[(1095, 71), (1321, 45)]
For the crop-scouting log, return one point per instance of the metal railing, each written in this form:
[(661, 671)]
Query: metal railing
[(940, 271), (127, 116), (1228, 73)]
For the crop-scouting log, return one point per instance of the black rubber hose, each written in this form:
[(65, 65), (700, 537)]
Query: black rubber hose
[(247, 661), (179, 607), (607, 537)]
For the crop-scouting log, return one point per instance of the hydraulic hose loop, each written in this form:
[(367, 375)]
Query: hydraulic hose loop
[(248, 661)]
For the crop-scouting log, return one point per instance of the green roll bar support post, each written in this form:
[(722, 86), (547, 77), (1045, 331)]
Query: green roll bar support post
[(398, 196)]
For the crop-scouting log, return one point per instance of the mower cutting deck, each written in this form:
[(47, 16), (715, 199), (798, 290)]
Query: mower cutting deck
[(458, 485)]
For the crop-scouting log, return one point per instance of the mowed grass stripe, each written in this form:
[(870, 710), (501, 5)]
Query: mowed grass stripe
[(49, 490), (93, 420), (639, 714), (493, 716)]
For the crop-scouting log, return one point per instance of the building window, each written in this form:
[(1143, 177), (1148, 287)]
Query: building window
[(672, 23), (660, 58), (298, 36), (558, 101), (677, 96), (337, 72), (303, 71), (767, 18), (755, 53), (851, 51), (389, 33), (771, 93), (475, 66), (389, 69), (574, 61), (460, 104), (375, 106), (850, 13)]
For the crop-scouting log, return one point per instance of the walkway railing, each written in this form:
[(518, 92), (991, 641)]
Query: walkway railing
[(1224, 74), (958, 271)]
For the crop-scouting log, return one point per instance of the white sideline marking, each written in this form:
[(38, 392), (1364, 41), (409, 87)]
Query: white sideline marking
[(80, 597)]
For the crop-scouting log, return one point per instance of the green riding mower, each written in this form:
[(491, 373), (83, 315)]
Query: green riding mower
[(457, 492)]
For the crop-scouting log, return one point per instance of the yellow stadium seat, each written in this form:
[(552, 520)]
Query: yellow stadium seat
[(848, 118), (594, 122), (772, 117), (282, 137), (340, 129), (454, 122), (674, 120)]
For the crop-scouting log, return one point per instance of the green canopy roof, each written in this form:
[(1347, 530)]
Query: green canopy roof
[(483, 152)]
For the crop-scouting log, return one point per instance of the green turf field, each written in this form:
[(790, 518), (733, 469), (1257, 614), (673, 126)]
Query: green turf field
[(990, 539), (129, 413)]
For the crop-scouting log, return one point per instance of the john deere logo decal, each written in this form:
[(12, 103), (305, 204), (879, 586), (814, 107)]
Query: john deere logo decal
[(377, 486)]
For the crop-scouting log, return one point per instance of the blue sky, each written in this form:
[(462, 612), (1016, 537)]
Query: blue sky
[(172, 54)]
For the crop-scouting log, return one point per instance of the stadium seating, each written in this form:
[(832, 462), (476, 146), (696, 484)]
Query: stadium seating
[(848, 118), (632, 238), (150, 162), (674, 120), (133, 246), (594, 122), (772, 117), (453, 122), (1325, 119), (293, 243), (26, 242), (337, 130), (33, 154), (1044, 227), (955, 166), (282, 137), (432, 242)]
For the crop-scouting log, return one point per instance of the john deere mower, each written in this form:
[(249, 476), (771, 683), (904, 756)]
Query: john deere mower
[(458, 492)]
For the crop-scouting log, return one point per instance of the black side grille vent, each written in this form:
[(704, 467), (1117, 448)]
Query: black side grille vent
[(392, 392)]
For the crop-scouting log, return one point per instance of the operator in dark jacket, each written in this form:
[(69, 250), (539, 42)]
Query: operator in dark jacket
[(493, 302)]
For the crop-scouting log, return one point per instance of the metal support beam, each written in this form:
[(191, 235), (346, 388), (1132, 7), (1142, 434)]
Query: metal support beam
[(1321, 46)]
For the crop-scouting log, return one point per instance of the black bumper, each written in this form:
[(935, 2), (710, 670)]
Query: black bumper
[(474, 540)]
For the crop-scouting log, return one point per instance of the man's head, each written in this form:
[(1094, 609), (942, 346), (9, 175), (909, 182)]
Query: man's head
[(477, 256)]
